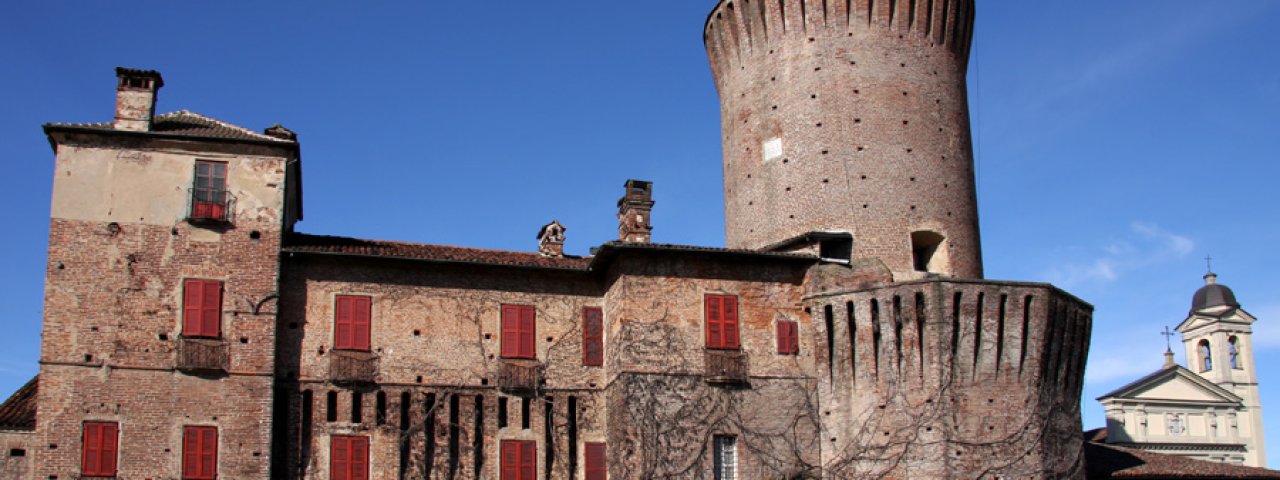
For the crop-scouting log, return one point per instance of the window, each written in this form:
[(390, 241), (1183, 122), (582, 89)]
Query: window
[(597, 468), (199, 453), (518, 330), (722, 322), (1233, 349), (98, 452), (209, 191), (349, 458), (201, 308), (927, 252), (351, 323), (726, 458), (592, 337), (788, 338), (519, 460), (1206, 356)]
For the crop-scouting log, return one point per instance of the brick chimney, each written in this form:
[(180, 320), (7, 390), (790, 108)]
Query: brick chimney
[(633, 212), (551, 239), (136, 98)]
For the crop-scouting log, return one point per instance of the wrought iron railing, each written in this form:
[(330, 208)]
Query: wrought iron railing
[(725, 366), (520, 376), (210, 205), (202, 355), (352, 367)]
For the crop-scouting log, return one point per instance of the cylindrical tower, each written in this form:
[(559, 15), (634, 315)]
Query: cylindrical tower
[(849, 116)]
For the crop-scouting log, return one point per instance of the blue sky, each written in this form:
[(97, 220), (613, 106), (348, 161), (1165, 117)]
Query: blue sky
[(1118, 143)]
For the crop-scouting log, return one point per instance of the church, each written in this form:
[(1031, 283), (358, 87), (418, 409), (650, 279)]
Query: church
[(1207, 410)]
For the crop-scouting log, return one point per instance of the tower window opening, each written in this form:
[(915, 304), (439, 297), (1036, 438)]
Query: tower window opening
[(1206, 356), (1233, 352), (927, 252), (836, 249)]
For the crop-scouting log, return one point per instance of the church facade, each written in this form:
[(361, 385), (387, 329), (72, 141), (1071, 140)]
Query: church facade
[(1209, 409)]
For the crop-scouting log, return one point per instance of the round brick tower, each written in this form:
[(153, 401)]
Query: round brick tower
[(849, 116)]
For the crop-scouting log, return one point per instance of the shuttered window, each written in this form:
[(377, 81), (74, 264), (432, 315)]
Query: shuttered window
[(351, 322), (201, 308), (98, 452), (722, 322), (592, 337), (788, 338), (518, 330), (597, 469), (519, 460), (349, 458), (199, 453), (209, 191)]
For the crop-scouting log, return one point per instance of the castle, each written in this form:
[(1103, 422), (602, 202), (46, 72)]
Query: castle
[(846, 331)]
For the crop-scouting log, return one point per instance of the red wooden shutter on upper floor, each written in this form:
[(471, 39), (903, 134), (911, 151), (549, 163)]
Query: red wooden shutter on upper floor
[(201, 308), (98, 452), (788, 338), (519, 325), (199, 453), (349, 458), (597, 468), (592, 337), (722, 321), (352, 322)]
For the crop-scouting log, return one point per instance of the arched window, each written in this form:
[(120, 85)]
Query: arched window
[(1206, 356), (928, 252), (1233, 350)]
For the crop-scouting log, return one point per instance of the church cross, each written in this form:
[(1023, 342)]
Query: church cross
[(1208, 263), (1168, 347)]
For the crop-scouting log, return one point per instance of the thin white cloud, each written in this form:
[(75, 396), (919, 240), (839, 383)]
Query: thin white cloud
[(1145, 244), (1266, 331), (1121, 364)]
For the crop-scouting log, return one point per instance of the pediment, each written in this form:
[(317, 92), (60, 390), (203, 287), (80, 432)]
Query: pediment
[(1175, 384)]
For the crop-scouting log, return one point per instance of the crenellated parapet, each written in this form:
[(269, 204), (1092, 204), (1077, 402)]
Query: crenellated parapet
[(737, 29), (960, 371)]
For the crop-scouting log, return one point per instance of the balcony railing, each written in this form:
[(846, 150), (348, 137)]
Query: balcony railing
[(202, 355), (352, 367), (726, 366), (211, 205), (520, 376)]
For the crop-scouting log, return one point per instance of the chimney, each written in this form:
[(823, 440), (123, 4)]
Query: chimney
[(551, 239), (136, 98), (633, 212)]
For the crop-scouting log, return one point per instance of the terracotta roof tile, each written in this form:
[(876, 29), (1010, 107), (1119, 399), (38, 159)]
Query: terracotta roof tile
[(1112, 461), (19, 411), (184, 123), (322, 244)]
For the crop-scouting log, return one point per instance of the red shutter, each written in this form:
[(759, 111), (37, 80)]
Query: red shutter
[(211, 309), (98, 453), (359, 458), (191, 308), (528, 460), (528, 320), (199, 453), (340, 458), (510, 331), (592, 337), (510, 460), (730, 322), (362, 309), (715, 327), (351, 323), (597, 468), (788, 338)]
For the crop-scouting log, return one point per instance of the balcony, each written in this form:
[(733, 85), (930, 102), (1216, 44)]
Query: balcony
[(352, 367), (202, 355), (520, 376), (726, 367), (211, 206)]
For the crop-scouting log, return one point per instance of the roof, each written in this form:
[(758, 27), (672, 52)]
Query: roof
[(1213, 294), (329, 245), (1103, 461), (183, 123), (19, 411), (1166, 373)]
